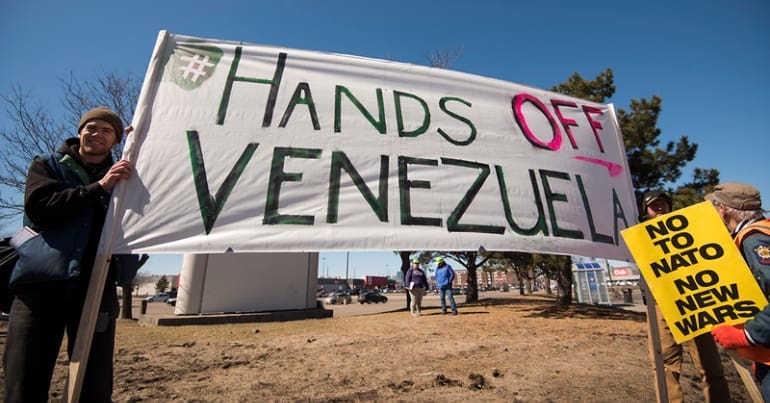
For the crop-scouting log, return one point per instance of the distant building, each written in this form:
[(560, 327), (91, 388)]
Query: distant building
[(333, 284), (625, 273), (489, 279), (357, 283), (375, 282)]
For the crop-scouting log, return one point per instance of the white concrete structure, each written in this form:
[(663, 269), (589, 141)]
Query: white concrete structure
[(247, 282)]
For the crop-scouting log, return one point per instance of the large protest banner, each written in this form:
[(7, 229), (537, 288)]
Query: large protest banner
[(694, 270), (249, 148)]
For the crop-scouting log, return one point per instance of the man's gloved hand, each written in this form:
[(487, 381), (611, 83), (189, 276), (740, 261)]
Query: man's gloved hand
[(730, 337)]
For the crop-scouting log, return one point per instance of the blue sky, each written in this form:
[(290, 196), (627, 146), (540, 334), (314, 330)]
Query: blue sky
[(709, 61)]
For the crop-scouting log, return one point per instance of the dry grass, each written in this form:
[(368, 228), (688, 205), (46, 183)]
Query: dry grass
[(521, 349)]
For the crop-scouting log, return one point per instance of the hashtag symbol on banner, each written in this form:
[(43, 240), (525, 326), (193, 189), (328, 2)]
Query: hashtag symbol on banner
[(190, 64), (195, 68)]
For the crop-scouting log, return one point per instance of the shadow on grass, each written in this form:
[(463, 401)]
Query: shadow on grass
[(545, 307), (537, 306)]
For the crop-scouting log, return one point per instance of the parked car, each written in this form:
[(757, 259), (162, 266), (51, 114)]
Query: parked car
[(163, 297), (372, 296), (338, 298)]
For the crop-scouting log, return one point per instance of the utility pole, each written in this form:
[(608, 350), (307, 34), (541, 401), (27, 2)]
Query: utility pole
[(608, 268), (347, 264)]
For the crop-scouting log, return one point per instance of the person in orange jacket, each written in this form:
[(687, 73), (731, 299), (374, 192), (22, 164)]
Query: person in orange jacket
[(740, 207)]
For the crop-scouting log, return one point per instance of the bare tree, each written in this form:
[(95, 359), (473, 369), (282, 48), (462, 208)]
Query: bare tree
[(32, 132), (444, 59), (33, 129), (118, 93)]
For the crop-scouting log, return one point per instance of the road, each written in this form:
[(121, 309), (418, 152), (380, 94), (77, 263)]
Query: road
[(396, 301)]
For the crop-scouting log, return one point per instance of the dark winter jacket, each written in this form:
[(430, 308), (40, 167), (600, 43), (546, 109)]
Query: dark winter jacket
[(63, 195)]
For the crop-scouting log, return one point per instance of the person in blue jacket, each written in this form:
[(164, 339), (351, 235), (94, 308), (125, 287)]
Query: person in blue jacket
[(445, 276)]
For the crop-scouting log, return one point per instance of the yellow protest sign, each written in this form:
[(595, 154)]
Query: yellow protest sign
[(694, 270)]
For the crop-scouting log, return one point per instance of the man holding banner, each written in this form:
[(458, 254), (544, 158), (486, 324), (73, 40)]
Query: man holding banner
[(702, 349), (66, 198), (740, 207)]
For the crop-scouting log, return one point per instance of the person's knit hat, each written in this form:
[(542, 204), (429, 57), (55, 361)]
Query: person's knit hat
[(103, 113), (740, 196), (439, 259)]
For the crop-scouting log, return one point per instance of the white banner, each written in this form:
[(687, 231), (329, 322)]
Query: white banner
[(249, 148)]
